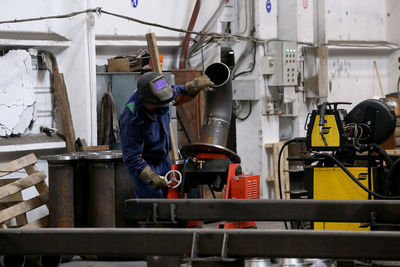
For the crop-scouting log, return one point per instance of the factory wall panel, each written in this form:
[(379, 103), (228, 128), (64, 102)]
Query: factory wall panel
[(68, 39), (356, 20), (353, 77)]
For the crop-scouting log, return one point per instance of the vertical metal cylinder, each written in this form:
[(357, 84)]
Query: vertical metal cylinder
[(81, 189), (123, 191), (101, 190), (218, 108), (61, 191)]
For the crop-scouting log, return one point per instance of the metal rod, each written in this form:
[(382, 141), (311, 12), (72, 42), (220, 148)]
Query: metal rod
[(173, 242), (386, 211)]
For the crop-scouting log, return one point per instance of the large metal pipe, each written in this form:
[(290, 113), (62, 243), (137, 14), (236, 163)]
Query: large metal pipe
[(61, 194), (218, 108), (101, 190)]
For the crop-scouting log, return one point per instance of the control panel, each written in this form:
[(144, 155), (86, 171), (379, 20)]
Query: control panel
[(285, 63)]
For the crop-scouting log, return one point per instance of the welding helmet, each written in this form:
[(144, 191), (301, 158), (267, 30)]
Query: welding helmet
[(154, 89)]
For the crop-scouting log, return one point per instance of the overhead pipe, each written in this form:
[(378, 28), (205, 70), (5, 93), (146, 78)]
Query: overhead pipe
[(185, 45), (218, 106)]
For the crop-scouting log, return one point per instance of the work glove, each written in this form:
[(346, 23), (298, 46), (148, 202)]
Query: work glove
[(156, 181), (200, 83)]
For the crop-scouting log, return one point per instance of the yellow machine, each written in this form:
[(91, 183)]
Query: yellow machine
[(338, 168), (333, 183)]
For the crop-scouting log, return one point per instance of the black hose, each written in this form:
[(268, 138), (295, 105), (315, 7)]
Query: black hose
[(183, 128), (248, 114), (383, 153), (380, 151), (341, 165), (252, 67), (294, 140), (392, 169)]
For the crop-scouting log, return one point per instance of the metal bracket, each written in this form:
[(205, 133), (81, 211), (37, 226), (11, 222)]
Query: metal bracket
[(195, 247), (373, 218), (374, 222), (194, 255), (224, 249), (173, 214)]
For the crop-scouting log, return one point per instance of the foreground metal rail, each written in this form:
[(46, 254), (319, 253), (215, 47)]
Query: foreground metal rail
[(196, 243), (175, 210)]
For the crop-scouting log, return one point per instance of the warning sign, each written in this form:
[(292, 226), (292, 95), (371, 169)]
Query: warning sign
[(305, 4)]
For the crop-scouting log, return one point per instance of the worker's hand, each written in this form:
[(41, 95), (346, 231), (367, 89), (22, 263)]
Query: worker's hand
[(200, 83), (156, 181), (159, 182)]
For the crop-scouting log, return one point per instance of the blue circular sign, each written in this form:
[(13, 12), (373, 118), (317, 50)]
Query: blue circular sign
[(268, 6), (134, 3)]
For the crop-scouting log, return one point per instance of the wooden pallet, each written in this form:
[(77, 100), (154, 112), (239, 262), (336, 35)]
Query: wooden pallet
[(11, 203), (272, 180)]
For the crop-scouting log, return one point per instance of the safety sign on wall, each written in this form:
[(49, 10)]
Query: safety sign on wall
[(305, 4), (134, 3), (268, 6)]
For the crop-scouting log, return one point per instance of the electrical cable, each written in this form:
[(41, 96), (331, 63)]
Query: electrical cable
[(183, 128), (378, 149), (341, 165), (100, 11), (253, 65), (68, 15), (294, 140), (216, 35), (212, 191), (248, 71), (248, 114)]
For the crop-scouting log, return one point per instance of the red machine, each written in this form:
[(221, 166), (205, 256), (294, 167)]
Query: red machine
[(217, 167)]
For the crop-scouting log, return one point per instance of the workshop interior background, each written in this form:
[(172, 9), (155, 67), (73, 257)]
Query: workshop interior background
[(346, 50)]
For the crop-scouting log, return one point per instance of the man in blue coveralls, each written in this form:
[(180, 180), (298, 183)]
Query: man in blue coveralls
[(145, 133)]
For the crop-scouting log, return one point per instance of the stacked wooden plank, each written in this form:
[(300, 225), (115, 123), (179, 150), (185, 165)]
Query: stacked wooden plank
[(11, 203), (273, 150)]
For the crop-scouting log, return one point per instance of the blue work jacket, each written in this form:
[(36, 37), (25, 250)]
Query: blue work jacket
[(145, 140)]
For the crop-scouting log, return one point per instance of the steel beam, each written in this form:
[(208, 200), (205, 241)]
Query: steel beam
[(383, 211), (200, 243)]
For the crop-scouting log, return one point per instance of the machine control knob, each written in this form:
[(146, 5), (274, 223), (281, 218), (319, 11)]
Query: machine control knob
[(174, 178), (238, 170)]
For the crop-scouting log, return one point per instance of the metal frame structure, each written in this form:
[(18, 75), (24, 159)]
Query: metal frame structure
[(199, 243), (177, 210), (224, 245)]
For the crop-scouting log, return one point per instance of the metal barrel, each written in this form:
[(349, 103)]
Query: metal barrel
[(101, 189), (81, 189), (61, 190), (109, 187), (123, 191), (218, 107)]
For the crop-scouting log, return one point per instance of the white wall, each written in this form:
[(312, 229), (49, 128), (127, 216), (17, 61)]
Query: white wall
[(115, 36), (356, 20), (68, 40), (350, 69)]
